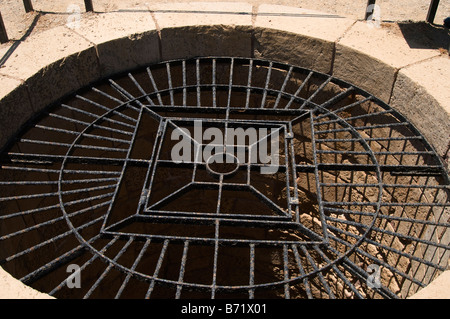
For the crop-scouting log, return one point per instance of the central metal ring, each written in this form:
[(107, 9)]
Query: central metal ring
[(222, 164)]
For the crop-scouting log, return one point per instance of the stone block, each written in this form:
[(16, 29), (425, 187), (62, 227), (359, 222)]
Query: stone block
[(204, 29), (53, 63), (298, 36), (124, 40), (387, 43), (14, 289), (364, 71), (369, 57), (15, 107), (422, 94), (306, 52), (193, 41)]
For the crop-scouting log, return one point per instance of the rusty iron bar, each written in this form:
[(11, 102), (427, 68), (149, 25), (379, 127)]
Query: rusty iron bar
[(3, 34), (432, 11), (28, 5), (89, 6), (369, 9)]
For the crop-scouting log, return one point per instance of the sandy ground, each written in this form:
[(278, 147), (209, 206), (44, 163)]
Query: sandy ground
[(55, 12)]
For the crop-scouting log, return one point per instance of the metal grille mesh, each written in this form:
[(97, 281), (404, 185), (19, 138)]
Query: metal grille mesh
[(91, 182)]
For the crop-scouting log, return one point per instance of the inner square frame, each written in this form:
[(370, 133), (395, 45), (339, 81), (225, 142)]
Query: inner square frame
[(286, 218)]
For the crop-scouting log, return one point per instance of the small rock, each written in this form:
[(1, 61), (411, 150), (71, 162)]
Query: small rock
[(348, 293)]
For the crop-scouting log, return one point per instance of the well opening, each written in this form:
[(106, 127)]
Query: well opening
[(327, 189)]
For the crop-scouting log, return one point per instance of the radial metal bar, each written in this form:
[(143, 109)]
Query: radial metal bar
[(183, 64), (140, 89), (86, 264), (197, 78), (57, 262), (339, 273), (403, 204), (356, 117), (302, 271), (132, 269), (40, 195), (2, 183), (50, 222), (28, 5), (216, 241), (283, 86), (308, 101), (126, 103), (98, 137), (396, 251), (389, 217), (126, 95), (107, 270), (230, 91), (249, 83), (338, 97), (3, 33), (157, 269), (90, 147), (364, 275), (287, 294), (300, 88), (369, 9), (320, 275), (432, 11), (155, 88), (30, 211), (57, 171), (94, 136), (88, 5), (51, 240), (266, 86), (291, 153), (103, 117), (48, 159), (251, 291), (182, 269), (107, 109), (43, 209), (388, 232), (343, 108), (374, 139), (169, 82)]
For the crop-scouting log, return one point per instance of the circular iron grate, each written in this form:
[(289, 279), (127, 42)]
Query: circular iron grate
[(286, 183)]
